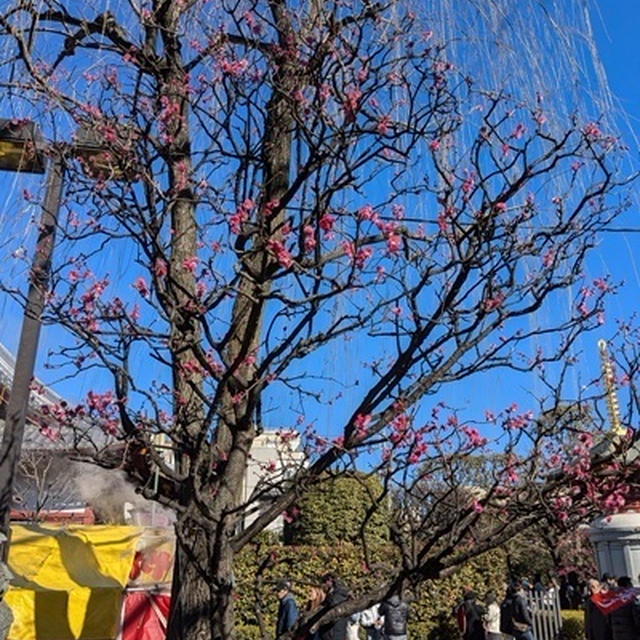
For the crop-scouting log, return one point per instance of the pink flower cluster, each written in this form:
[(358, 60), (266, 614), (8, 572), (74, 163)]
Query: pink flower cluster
[(241, 215)]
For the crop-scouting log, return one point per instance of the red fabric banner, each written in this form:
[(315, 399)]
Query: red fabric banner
[(609, 601), (145, 615)]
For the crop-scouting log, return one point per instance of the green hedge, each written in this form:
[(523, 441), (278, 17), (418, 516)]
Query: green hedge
[(573, 625), (258, 568)]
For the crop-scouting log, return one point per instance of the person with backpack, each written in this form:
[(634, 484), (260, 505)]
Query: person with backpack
[(515, 617), (395, 612)]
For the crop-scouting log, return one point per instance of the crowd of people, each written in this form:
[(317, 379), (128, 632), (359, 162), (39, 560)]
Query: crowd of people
[(611, 608), (384, 621), (489, 620)]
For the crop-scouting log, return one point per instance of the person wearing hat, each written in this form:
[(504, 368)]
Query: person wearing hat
[(287, 609)]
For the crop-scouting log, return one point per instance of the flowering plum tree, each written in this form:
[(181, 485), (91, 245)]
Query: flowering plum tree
[(278, 178)]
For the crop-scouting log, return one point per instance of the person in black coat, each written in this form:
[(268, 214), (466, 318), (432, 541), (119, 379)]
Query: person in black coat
[(597, 625), (625, 621), (337, 593), (473, 614)]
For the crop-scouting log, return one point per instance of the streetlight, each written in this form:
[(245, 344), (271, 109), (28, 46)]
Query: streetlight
[(21, 149)]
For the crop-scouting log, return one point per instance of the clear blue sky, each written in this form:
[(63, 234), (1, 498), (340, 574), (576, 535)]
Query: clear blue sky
[(617, 27)]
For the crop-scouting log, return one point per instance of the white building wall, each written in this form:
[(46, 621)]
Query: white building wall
[(275, 456)]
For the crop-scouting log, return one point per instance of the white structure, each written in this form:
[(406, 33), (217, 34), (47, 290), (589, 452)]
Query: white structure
[(275, 455), (616, 540)]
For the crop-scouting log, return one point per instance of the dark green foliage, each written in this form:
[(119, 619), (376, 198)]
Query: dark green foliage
[(327, 535), (573, 625), (345, 509), (260, 566)]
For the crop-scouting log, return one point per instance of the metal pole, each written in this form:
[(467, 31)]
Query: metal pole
[(26, 356)]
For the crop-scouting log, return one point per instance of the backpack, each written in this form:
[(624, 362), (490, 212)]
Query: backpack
[(461, 618), (506, 616)]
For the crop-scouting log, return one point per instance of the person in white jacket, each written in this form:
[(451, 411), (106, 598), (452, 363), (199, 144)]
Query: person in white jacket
[(492, 617), (372, 622), (353, 626)]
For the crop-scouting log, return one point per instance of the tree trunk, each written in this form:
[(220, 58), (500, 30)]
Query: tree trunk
[(201, 592)]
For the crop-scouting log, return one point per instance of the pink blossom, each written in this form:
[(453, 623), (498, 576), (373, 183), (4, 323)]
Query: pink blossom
[(285, 229), (233, 68), (360, 424), (474, 439), (100, 402), (351, 103), (548, 257), (493, 303), (48, 432), (140, 285), (394, 242), (601, 284), (434, 145), (591, 130), (467, 185), (383, 124), (362, 256), (417, 452), (518, 132), (326, 223), (240, 216), (366, 213), (348, 249), (309, 238), (271, 206), (251, 23), (190, 264), (500, 207), (160, 268), (324, 92), (338, 442), (281, 253)]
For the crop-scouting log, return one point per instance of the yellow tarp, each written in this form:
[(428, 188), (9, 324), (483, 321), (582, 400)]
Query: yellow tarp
[(68, 581)]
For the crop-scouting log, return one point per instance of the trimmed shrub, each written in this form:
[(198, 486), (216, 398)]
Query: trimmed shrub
[(261, 565), (573, 625), (341, 510)]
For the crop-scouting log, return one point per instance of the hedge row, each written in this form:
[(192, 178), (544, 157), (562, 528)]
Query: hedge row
[(258, 568)]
